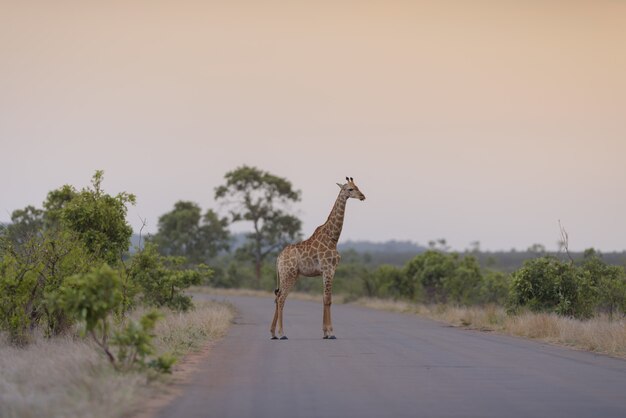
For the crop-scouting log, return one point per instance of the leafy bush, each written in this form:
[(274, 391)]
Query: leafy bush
[(31, 275), (609, 281), (494, 288), (163, 279), (428, 270), (134, 344), (383, 282), (93, 298), (548, 284), (464, 284), (444, 278)]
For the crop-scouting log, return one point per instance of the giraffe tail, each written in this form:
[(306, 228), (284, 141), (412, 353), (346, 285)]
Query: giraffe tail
[(277, 290)]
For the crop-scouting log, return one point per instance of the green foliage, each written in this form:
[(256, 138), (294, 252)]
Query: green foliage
[(92, 297), (261, 198), (134, 344), (494, 288), (429, 270), (17, 285), (55, 203), (99, 220), (25, 225), (185, 232), (163, 363), (463, 286), (230, 273), (385, 281), (41, 249), (163, 279), (548, 284), (64, 264), (31, 275), (610, 282)]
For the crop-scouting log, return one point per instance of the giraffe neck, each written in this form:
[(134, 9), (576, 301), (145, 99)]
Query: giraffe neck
[(334, 223)]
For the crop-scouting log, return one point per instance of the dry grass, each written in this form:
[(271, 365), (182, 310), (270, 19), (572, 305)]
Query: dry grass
[(69, 377), (598, 335), (180, 333)]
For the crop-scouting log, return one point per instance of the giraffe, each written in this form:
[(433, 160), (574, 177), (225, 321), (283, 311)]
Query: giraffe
[(315, 256)]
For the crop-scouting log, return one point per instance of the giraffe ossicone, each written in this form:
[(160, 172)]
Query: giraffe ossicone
[(315, 256)]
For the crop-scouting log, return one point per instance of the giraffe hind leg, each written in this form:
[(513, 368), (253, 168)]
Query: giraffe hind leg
[(273, 327), (285, 287)]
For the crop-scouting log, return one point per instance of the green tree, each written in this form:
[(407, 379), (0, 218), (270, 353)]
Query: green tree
[(184, 231), (262, 199), (99, 219), (25, 224), (55, 203)]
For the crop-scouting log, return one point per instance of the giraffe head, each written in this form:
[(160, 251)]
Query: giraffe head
[(351, 190)]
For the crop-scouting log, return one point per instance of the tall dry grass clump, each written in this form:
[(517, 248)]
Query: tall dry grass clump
[(181, 332), (62, 377), (70, 377), (599, 334)]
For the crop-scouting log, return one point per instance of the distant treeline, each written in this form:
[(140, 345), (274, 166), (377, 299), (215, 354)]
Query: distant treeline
[(398, 253)]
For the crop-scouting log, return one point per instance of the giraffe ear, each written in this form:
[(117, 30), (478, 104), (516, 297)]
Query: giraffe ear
[(340, 186)]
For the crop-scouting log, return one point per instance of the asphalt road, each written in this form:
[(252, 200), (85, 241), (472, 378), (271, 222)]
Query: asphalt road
[(391, 365)]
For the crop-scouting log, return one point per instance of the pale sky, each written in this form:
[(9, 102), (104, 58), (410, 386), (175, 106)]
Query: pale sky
[(466, 120)]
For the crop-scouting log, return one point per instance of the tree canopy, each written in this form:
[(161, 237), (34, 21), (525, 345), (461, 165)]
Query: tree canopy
[(262, 199), (184, 231)]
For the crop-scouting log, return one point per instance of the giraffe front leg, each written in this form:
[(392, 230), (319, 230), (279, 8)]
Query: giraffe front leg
[(327, 325)]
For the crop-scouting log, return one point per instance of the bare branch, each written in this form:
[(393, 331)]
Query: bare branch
[(104, 346), (143, 225), (565, 242)]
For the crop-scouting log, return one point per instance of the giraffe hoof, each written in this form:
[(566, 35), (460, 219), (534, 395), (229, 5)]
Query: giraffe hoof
[(274, 338), (332, 337), (325, 337), (284, 337)]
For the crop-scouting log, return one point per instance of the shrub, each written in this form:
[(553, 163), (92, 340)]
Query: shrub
[(548, 284), (93, 298), (31, 275), (163, 279), (135, 344), (463, 285), (610, 282), (384, 281), (443, 278), (494, 288)]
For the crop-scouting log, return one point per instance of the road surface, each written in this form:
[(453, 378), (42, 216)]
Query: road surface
[(391, 365)]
